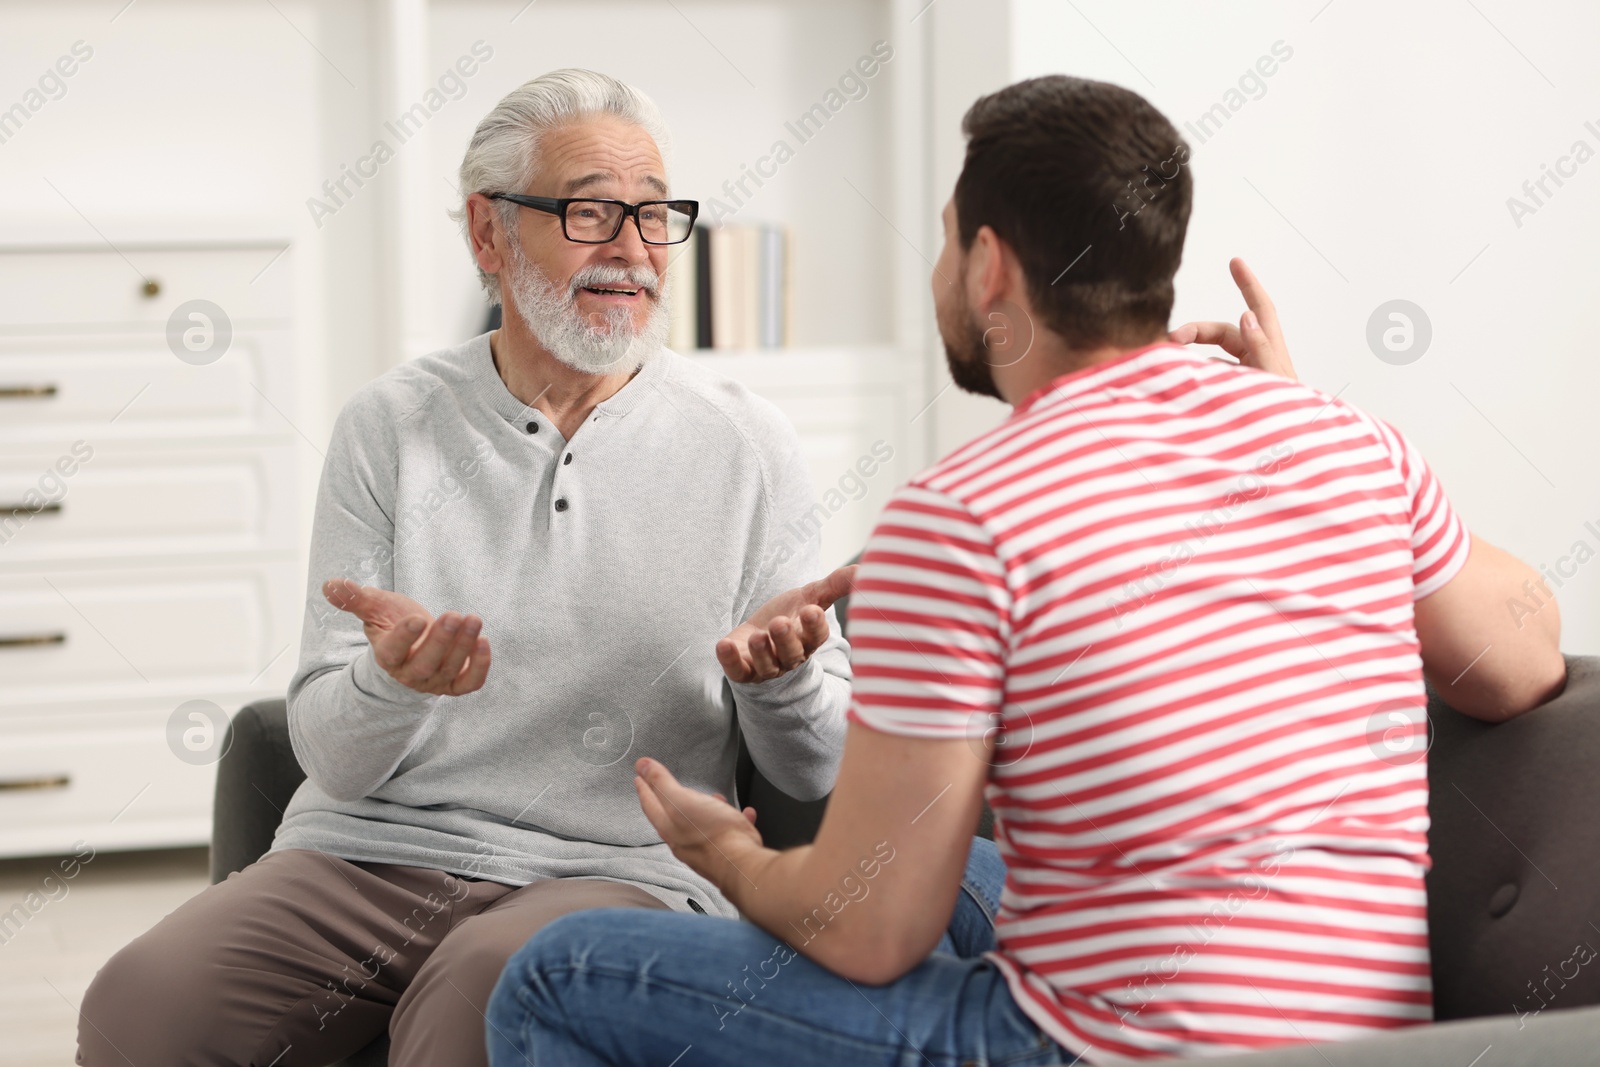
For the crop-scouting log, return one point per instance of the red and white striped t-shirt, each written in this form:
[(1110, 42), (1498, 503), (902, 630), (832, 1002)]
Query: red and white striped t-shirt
[(1183, 592)]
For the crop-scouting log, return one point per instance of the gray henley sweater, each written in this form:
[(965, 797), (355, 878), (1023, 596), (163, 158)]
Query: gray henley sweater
[(605, 568)]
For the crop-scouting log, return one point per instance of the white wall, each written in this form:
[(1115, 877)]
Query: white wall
[(1376, 164)]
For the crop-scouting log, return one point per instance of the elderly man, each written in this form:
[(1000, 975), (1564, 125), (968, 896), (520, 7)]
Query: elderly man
[(611, 517)]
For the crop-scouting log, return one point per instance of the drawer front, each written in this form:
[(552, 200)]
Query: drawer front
[(125, 500), (134, 386), (83, 632), (98, 785), (89, 287)]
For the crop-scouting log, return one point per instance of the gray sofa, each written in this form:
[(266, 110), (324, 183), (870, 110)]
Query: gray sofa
[(1514, 890)]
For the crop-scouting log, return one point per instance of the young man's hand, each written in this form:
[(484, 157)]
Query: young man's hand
[(703, 830), (1258, 339), (444, 656), (784, 632)]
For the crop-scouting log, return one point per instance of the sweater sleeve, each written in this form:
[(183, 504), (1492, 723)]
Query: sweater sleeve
[(794, 725), (350, 722)]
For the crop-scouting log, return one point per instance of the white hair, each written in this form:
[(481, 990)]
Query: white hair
[(503, 154)]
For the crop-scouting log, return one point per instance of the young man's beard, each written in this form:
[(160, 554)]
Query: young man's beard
[(966, 354), (610, 346)]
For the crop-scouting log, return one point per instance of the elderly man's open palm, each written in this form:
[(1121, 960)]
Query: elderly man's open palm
[(445, 656), (785, 631)]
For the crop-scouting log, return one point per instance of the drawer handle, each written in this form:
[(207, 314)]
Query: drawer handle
[(18, 511), (17, 785), (25, 392), (25, 640)]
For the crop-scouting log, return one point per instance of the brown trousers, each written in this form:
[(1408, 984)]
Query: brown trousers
[(301, 959)]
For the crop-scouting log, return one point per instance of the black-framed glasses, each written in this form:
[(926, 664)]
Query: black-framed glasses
[(595, 222)]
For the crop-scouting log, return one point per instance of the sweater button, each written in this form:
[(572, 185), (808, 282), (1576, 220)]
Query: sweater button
[(561, 505), (533, 427), (567, 460)]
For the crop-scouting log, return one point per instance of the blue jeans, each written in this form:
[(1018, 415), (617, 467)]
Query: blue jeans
[(631, 986)]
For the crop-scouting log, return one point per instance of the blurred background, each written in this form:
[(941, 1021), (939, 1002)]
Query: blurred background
[(219, 219)]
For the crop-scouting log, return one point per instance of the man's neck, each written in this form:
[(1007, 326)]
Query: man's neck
[(1049, 359), (540, 380)]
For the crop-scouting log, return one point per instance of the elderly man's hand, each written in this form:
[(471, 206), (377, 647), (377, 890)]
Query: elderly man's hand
[(707, 833), (444, 656), (785, 631)]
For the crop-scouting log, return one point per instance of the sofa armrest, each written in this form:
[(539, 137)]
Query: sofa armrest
[(256, 776), (1516, 854)]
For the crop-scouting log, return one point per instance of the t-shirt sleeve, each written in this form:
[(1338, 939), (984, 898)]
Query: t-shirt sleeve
[(1439, 539), (929, 621)]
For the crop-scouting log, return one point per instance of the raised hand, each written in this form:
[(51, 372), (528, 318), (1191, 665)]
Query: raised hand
[(784, 632), (445, 656), (1258, 339), (703, 830)]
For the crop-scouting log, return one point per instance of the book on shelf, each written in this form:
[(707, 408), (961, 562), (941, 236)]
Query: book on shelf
[(729, 289)]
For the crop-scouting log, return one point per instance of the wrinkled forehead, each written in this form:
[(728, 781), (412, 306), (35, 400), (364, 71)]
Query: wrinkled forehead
[(600, 156)]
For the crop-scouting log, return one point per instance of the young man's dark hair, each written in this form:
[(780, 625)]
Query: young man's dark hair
[(1057, 165)]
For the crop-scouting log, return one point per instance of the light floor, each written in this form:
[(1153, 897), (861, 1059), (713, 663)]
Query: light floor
[(47, 964)]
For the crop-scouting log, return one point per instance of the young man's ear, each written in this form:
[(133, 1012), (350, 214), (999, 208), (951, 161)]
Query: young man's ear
[(990, 267)]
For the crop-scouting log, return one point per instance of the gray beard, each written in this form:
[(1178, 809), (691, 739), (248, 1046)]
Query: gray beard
[(608, 347)]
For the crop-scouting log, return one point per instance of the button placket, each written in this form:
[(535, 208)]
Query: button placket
[(531, 428), (561, 503)]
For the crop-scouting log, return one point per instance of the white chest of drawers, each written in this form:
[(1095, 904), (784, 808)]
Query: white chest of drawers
[(149, 511)]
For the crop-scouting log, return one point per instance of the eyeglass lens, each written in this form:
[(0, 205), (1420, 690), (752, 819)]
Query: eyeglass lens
[(599, 220)]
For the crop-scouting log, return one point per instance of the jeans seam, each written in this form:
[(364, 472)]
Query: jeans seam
[(978, 899)]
